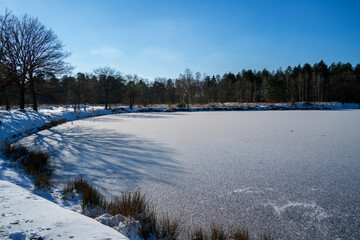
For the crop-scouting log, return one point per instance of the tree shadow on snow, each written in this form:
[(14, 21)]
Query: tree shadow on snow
[(111, 161)]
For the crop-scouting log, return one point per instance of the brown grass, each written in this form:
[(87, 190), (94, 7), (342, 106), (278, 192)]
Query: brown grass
[(167, 228), (36, 163), (129, 205), (132, 205), (218, 233), (267, 237), (91, 196), (136, 206), (241, 234), (198, 234), (54, 123)]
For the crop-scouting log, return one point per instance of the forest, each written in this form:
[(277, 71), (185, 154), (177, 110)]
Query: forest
[(33, 71), (318, 83)]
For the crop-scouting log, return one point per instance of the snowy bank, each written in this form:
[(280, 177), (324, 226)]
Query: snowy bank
[(30, 214), (25, 215), (16, 124), (257, 107)]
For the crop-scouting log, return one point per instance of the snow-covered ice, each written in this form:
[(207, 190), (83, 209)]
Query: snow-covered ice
[(209, 167), (296, 171)]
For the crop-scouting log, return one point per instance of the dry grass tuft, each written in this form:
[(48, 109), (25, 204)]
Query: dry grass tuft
[(54, 123), (241, 234), (267, 237), (136, 206), (167, 228), (129, 205), (132, 205), (91, 196), (217, 233), (36, 163), (197, 235)]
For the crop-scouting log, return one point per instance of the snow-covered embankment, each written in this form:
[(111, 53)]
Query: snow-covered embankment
[(30, 214)]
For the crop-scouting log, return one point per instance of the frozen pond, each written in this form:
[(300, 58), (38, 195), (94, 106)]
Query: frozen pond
[(294, 174)]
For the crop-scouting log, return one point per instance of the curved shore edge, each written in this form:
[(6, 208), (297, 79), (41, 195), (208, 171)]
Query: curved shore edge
[(16, 124)]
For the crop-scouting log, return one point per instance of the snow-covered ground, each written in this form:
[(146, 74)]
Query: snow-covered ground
[(27, 213), (16, 124)]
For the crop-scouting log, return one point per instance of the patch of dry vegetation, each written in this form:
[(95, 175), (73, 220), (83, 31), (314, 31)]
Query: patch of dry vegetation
[(35, 162), (218, 233), (131, 205), (54, 123), (91, 196)]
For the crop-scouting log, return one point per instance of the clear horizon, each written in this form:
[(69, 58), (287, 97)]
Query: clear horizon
[(163, 38)]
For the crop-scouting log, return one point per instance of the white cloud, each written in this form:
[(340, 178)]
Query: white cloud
[(109, 52), (161, 55)]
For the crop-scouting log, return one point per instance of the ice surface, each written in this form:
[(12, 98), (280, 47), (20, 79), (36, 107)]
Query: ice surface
[(294, 174)]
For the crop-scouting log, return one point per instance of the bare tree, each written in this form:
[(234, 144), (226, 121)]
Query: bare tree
[(107, 77), (9, 55), (4, 85), (4, 82), (132, 88), (31, 52)]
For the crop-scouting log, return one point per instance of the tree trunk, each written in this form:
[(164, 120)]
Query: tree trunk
[(33, 94), (20, 81), (254, 96), (287, 88), (6, 101), (106, 98), (306, 87), (22, 98)]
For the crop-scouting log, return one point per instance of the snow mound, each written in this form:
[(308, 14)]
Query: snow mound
[(25, 215), (129, 227)]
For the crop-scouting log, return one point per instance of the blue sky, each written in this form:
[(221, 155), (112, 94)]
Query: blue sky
[(163, 38)]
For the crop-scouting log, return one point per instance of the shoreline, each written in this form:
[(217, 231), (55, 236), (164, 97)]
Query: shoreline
[(16, 124)]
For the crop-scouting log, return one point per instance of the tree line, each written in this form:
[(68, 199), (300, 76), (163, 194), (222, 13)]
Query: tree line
[(32, 69)]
